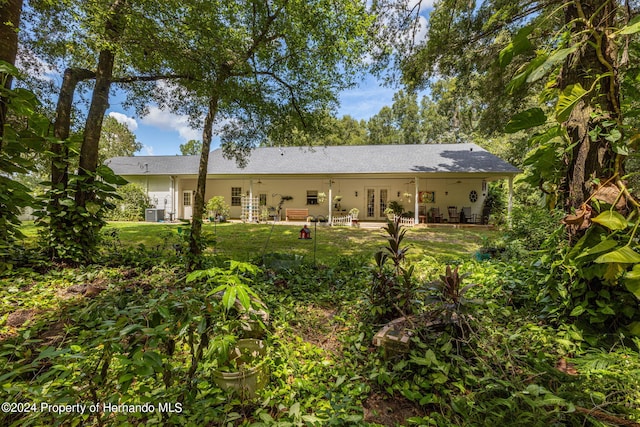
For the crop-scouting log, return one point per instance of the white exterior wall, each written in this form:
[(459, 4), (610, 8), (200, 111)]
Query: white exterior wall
[(158, 189), (448, 192), (168, 193)]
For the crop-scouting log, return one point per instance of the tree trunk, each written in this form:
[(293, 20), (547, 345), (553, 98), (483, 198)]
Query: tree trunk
[(590, 158), (99, 102), (198, 208), (62, 125), (99, 105), (9, 24)]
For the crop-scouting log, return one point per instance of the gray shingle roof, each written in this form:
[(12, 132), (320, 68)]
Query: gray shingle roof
[(154, 165), (357, 159)]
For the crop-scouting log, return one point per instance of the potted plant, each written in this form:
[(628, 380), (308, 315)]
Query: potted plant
[(393, 209), (237, 363), (241, 366), (336, 202)]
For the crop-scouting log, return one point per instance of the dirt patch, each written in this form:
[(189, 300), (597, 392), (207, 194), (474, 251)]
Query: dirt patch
[(20, 317), (54, 334), (85, 290), (317, 326), (390, 411)]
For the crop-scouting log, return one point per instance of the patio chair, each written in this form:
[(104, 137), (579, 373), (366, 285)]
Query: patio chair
[(436, 216), (465, 215), (454, 216)]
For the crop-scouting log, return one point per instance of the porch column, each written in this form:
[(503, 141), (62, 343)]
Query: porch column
[(510, 203), (330, 202), (172, 197), (416, 203)]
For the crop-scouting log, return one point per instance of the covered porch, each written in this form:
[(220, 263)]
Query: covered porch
[(433, 200)]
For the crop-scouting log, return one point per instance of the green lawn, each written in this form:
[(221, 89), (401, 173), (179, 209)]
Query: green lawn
[(249, 241)]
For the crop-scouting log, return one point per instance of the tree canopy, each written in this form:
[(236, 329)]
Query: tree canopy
[(191, 148)]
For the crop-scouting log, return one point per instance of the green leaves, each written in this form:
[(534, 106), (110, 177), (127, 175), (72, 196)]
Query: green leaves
[(632, 28), (519, 44), (567, 100), (549, 63), (632, 281), (525, 120), (612, 220), (231, 282), (623, 255)]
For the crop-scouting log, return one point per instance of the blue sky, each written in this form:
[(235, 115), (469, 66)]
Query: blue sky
[(161, 132)]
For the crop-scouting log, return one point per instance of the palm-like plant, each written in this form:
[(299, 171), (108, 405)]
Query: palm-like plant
[(393, 290), (451, 293)]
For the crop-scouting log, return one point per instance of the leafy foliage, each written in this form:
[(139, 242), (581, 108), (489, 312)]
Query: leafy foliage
[(392, 289), (191, 148), (130, 204), (70, 232), (600, 268), (116, 140), (24, 135), (140, 334), (217, 208)]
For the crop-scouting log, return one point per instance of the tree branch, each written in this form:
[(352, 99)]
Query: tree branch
[(132, 79), (289, 89)]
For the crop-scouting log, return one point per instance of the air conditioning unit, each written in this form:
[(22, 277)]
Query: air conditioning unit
[(154, 215)]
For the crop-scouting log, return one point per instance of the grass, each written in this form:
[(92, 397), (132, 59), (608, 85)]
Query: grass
[(247, 242)]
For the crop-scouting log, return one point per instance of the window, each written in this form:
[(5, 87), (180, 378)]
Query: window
[(263, 200), (236, 196), (186, 198), (312, 197)]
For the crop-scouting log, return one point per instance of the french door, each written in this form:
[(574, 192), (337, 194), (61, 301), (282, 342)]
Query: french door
[(376, 202)]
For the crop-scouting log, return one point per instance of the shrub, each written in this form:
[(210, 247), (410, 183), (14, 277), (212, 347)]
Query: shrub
[(217, 208), (133, 204), (393, 290)]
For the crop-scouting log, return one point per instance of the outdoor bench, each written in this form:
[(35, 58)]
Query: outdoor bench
[(300, 214)]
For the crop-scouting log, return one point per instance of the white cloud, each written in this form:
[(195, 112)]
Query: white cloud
[(424, 5), (172, 122), (129, 122), (35, 67), (421, 30), (148, 150)]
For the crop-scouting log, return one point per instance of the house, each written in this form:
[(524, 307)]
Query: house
[(326, 181)]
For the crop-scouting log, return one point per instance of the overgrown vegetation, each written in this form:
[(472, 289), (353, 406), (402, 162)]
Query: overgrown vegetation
[(131, 203), (134, 330)]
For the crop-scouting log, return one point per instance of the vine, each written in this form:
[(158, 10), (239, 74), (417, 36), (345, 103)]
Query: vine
[(596, 277)]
